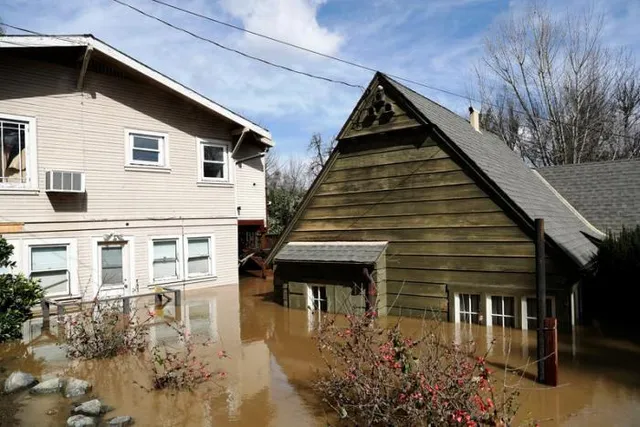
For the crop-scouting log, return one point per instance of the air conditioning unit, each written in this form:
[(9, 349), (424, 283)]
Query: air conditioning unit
[(65, 182)]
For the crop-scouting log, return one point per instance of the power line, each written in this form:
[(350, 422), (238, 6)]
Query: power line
[(246, 55)]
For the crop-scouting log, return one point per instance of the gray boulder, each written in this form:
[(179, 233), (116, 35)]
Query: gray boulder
[(76, 387), (122, 421), (92, 407), (53, 385), (17, 381), (81, 421)]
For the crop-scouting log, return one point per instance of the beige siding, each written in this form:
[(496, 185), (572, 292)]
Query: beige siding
[(250, 184), (85, 132)]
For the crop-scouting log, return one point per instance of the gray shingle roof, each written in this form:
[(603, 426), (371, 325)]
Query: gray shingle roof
[(331, 252), (509, 173), (607, 194)]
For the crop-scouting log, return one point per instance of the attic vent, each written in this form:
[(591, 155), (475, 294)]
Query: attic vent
[(65, 182)]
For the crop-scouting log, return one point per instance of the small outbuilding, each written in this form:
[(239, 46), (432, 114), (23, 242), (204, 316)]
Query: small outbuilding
[(437, 213)]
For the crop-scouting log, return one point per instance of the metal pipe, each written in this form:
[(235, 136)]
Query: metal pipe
[(255, 156), (541, 295)]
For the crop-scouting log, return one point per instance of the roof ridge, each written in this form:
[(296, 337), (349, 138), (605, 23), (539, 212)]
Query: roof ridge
[(588, 164)]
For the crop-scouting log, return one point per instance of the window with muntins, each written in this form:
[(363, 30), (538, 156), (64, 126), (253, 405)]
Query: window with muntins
[(319, 298), (503, 311), (469, 308), (198, 256), (165, 260), (532, 311), (214, 162), (49, 264), (14, 153), (147, 149)]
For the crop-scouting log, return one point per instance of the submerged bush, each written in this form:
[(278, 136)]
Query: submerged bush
[(102, 330), (378, 377), (17, 295), (180, 368)]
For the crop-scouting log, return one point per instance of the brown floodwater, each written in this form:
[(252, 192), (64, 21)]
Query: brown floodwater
[(273, 361)]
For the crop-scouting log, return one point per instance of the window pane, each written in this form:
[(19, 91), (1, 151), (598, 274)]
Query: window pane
[(496, 305), (150, 143), (198, 247), (213, 153), (509, 306), (475, 303), (164, 269), (213, 170), (49, 258), (146, 156), (112, 265), (199, 266), (54, 282), (463, 302), (13, 152), (164, 250)]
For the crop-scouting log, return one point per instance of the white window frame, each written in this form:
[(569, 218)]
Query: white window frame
[(32, 154), (491, 315), (163, 148), (212, 259), (72, 261), (179, 263), (201, 143), (460, 312), (525, 310)]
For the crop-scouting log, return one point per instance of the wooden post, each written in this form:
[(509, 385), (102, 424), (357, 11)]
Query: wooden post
[(46, 321), (551, 351), (126, 306), (60, 314), (541, 295), (177, 301), (372, 293)]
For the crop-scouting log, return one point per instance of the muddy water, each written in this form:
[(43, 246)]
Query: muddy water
[(273, 360)]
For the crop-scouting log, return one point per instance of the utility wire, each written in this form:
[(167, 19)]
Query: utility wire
[(246, 55)]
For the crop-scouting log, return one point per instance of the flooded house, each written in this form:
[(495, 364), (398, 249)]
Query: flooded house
[(114, 178), (434, 212)]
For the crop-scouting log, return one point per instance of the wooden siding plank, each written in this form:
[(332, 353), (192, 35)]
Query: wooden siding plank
[(417, 194), (431, 315), (461, 263), (493, 234), (411, 180), (507, 249), (415, 288), (385, 143), (366, 172), (480, 205), (389, 158), (495, 219), (461, 277), (418, 302)]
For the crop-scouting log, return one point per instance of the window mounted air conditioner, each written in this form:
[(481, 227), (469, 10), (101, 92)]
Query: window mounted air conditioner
[(65, 182)]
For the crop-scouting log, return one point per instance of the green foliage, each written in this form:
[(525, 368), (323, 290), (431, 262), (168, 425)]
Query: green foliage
[(613, 289), (17, 295)]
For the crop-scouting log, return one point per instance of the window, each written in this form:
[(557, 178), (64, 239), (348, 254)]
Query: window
[(469, 308), (214, 161), (532, 311), (147, 149), (111, 265), (199, 256), (49, 264), (165, 264), (503, 311), (319, 298), (17, 152)]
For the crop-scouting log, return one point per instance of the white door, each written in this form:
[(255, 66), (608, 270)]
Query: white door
[(113, 269)]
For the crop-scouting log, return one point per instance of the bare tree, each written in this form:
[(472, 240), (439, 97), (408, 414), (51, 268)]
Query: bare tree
[(320, 151), (555, 93)]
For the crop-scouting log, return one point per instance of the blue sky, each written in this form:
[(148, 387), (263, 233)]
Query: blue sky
[(437, 42)]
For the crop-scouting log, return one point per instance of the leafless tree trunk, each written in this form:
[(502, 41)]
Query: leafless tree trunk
[(555, 93), (320, 151)]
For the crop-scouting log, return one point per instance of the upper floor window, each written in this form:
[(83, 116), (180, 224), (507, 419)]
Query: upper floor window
[(147, 148), (214, 161), (17, 152)]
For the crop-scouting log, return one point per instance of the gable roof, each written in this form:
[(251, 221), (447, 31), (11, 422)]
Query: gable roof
[(508, 174), (88, 40), (606, 193)]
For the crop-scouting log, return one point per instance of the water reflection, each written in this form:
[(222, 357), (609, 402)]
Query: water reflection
[(273, 362)]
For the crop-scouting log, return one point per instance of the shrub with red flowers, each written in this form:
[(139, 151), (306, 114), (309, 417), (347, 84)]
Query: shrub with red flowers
[(378, 377), (181, 368), (102, 330)]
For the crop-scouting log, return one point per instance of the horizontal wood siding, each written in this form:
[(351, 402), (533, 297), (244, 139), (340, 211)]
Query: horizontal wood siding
[(250, 184), (443, 229)]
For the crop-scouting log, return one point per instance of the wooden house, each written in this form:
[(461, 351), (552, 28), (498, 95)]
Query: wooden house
[(438, 213)]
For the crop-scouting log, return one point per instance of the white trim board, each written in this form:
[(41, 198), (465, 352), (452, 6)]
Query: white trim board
[(90, 41)]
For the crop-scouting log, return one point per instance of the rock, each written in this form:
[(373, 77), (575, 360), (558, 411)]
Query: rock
[(53, 385), (52, 412), (122, 421), (80, 421), (92, 407), (17, 381), (76, 387)]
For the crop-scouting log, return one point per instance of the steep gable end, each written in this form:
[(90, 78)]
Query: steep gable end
[(378, 111)]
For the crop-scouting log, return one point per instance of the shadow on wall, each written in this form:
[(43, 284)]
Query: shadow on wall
[(68, 202)]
